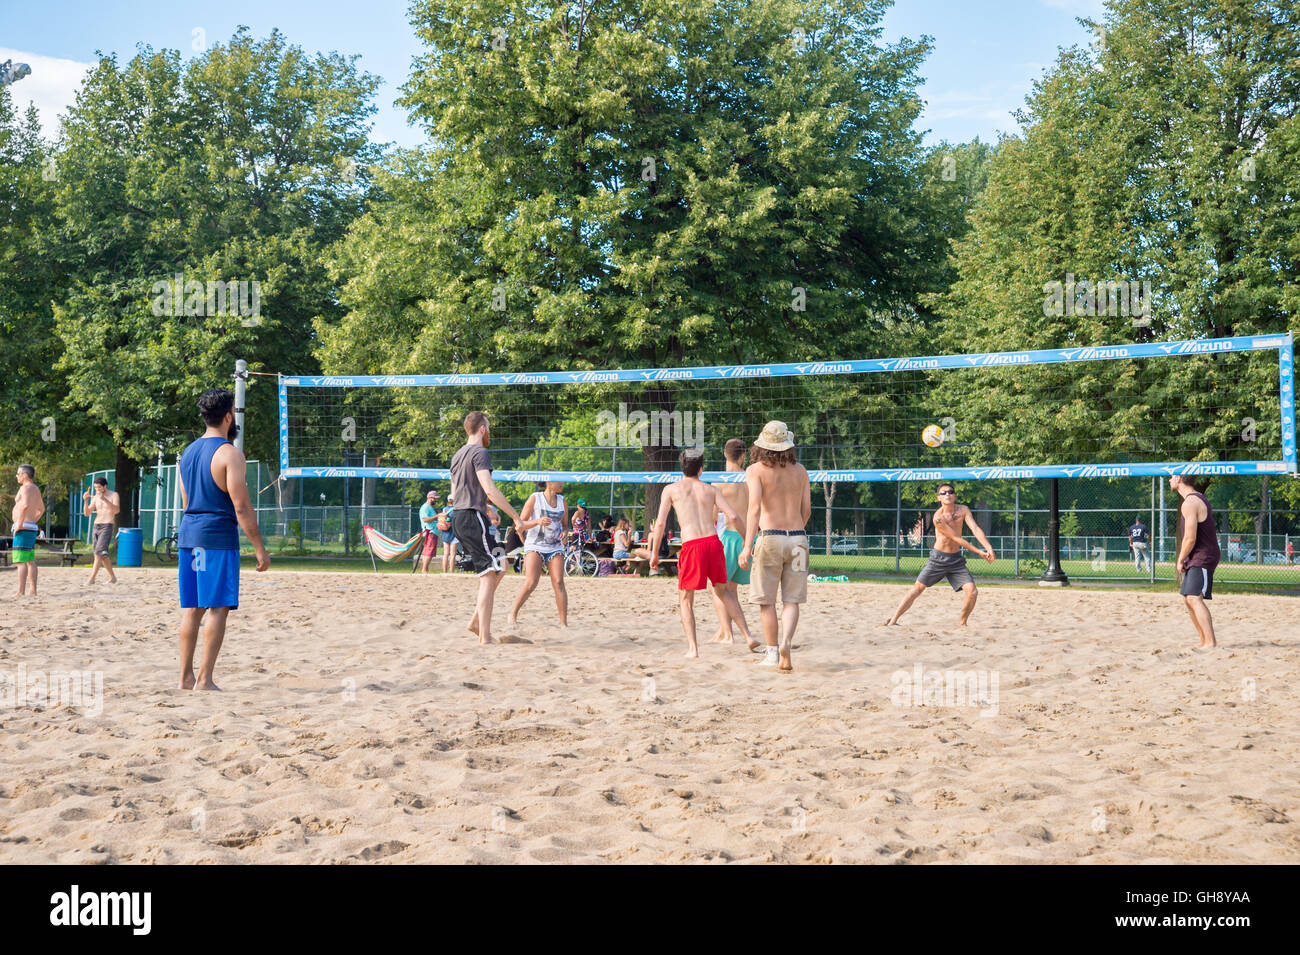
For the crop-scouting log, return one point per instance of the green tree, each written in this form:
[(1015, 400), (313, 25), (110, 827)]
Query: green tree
[(244, 164), (643, 185), (1166, 154)]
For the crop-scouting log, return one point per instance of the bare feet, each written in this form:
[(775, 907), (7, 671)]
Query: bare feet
[(692, 651), (785, 663), (187, 682), (754, 645), (207, 685), (723, 637), (472, 626), (891, 622)]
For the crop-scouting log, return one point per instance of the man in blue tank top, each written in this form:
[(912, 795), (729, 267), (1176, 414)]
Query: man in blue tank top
[(217, 504)]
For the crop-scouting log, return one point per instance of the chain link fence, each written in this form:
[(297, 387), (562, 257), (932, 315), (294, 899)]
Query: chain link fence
[(862, 530)]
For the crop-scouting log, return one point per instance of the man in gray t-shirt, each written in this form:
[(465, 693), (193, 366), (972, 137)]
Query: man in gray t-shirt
[(471, 488)]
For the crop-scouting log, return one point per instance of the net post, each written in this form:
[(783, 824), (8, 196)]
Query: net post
[(1017, 530), (1151, 545), (241, 380), (898, 522), (1053, 576)]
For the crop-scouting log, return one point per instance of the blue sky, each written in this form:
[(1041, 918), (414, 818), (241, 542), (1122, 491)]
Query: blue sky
[(986, 53)]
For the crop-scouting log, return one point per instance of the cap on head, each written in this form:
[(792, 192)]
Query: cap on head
[(775, 437)]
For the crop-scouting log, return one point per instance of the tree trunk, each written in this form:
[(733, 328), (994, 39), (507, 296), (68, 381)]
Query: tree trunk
[(657, 457), (1260, 520), (126, 476)]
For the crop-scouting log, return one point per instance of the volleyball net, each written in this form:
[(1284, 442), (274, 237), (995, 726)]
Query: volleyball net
[(1212, 406)]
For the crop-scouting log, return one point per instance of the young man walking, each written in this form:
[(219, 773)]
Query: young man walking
[(104, 505), (700, 563), (733, 542), (472, 488), (780, 503)]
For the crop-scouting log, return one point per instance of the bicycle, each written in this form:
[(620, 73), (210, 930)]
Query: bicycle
[(579, 561), (166, 549)]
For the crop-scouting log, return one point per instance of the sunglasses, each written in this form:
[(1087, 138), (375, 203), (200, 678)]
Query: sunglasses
[(946, 493)]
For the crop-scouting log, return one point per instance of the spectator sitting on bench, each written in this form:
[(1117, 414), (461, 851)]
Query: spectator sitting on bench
[(623, 542)]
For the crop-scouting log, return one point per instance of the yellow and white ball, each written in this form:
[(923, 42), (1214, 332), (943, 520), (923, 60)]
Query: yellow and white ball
[(932, 436)]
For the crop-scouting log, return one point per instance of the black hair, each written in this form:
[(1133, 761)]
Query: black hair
[(101, 480), (947, 484), (214, 405), (692, 461)]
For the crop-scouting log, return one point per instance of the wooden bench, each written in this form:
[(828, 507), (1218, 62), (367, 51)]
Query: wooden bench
[(68, 551), (66, 547)]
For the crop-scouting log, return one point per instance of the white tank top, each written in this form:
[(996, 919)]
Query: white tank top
[(546, 537)]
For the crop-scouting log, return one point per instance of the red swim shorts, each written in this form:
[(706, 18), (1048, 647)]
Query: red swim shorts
[(430, 543), (701, 563)]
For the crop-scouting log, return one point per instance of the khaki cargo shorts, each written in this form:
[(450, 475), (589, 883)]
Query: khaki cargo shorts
[(779, 560)]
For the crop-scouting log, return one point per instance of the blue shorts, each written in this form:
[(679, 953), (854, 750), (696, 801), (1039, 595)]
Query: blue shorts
[(546, 555), (209, 577), (448, 537)]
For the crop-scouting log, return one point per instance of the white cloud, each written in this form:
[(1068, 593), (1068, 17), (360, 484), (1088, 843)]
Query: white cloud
[(986, 103), (52, 86)]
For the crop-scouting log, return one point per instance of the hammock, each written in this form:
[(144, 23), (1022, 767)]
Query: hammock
[(387, 549)]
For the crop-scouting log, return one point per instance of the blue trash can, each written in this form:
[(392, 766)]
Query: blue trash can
[(130, 546)]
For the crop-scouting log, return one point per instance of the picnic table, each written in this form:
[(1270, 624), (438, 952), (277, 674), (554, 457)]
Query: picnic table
[(604, 550), (66, 547)]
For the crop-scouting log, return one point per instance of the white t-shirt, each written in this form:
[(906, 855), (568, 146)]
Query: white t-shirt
[(550, 537)]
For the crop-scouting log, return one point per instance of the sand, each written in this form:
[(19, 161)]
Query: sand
[(359, 724)]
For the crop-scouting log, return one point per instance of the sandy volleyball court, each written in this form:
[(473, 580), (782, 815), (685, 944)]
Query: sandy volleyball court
[(359, 723)]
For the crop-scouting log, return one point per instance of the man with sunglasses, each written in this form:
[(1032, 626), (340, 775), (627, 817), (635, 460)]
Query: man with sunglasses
[(946, 558)]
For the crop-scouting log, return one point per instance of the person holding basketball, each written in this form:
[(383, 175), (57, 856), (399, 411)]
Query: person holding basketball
[(1198, 554), (946, 557)]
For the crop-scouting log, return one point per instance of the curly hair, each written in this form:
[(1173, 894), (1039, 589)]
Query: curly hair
[(773, 459)]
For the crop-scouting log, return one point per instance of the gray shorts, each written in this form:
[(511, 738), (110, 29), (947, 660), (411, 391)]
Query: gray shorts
[(101, 538), (941, 565)]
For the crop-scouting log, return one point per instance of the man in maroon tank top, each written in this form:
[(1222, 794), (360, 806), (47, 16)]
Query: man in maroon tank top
[(1198, 553)]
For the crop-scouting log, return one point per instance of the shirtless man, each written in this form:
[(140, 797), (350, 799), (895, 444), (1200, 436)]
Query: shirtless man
[(104, 505), (946, 558), (700, 563), (733, 541), (780, 503), (28, 508)]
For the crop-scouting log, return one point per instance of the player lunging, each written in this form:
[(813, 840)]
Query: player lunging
[(946, 558)]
